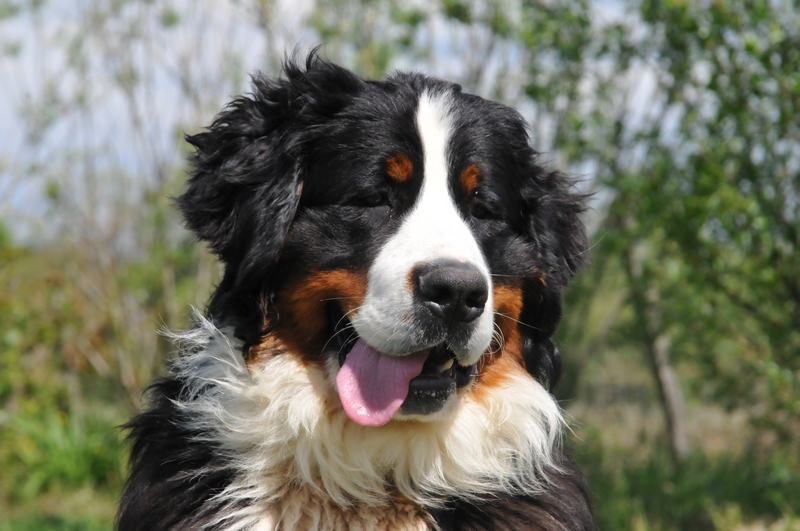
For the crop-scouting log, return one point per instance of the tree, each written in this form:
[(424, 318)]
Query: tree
[(703, 184), (721, 178)]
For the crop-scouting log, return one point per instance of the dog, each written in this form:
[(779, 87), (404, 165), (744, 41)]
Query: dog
[(378, 352)]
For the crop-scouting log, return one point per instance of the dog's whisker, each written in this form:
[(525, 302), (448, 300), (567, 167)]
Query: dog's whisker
[(506, 316), (499, 339), (342, 329)]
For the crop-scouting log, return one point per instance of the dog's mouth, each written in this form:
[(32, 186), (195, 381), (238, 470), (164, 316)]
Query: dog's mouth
[(373, 386)]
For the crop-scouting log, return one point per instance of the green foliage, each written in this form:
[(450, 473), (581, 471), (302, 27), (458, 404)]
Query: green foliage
[(714, 202), (169, 18), (52, 448), (366, 35), (53, 523), (50, 437), (686, 496), (8, 9), (457, 10), (68, 378)]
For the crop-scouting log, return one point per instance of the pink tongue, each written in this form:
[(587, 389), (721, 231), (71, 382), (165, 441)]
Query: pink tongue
[(372, 386)]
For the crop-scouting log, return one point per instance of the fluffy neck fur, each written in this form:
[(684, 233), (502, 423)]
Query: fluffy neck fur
[(283, 432)]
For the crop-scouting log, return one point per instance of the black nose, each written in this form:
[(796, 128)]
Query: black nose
[(453, 291)]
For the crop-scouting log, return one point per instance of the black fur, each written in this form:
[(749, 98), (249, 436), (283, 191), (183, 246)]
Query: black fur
[(172, 474), (278, 190), (246, 187), (564, 507)]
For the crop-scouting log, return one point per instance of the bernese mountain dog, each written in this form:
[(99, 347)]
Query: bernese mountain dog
[(378, 352)]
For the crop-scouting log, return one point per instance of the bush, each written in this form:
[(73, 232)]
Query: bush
[(690, 495), (55, 449)]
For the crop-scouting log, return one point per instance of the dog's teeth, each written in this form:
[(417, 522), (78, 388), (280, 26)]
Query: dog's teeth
[(446, 365)]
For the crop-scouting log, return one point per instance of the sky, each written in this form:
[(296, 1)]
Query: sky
[(62, 102)]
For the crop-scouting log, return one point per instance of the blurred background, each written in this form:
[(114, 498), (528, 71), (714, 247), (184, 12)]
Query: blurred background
[(681, 340)]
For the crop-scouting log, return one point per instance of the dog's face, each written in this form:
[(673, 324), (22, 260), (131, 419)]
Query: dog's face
[(397, 237)]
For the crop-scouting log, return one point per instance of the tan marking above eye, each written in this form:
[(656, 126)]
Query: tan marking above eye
[(399, 168), (470, 178)]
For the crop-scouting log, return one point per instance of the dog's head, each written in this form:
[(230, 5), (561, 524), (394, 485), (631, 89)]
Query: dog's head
[(397, 236)]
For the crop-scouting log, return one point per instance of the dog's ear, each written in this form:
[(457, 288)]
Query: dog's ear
[(246, 181), (553, 208)]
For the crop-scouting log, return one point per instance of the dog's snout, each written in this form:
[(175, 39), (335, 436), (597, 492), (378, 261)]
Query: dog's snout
[(454, 292)]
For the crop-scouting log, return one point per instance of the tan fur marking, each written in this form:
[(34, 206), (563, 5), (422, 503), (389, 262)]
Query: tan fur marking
[(507, 309), (470, 177), (506, 356), (300, 306), (258, 354), (399, 168)]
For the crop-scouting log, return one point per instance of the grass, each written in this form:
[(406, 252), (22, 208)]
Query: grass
[(56, 449), (62, 508), (53, 523), (60, 471)]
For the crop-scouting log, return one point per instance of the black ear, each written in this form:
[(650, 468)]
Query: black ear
[(245, 187), (553, 208)]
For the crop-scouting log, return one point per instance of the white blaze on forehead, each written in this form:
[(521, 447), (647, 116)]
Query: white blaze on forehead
[(432, 231)]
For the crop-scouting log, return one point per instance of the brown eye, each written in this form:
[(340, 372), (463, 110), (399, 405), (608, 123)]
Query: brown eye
[(481, 212), (374, 200)]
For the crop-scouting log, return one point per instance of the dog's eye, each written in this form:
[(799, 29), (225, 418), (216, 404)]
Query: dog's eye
[(374, 200), (481, 212)]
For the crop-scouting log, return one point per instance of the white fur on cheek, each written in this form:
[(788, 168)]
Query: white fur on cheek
[(433, 230), (297, 458)]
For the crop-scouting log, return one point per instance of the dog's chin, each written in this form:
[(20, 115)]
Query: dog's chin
[(446, 409), (432, 395)]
